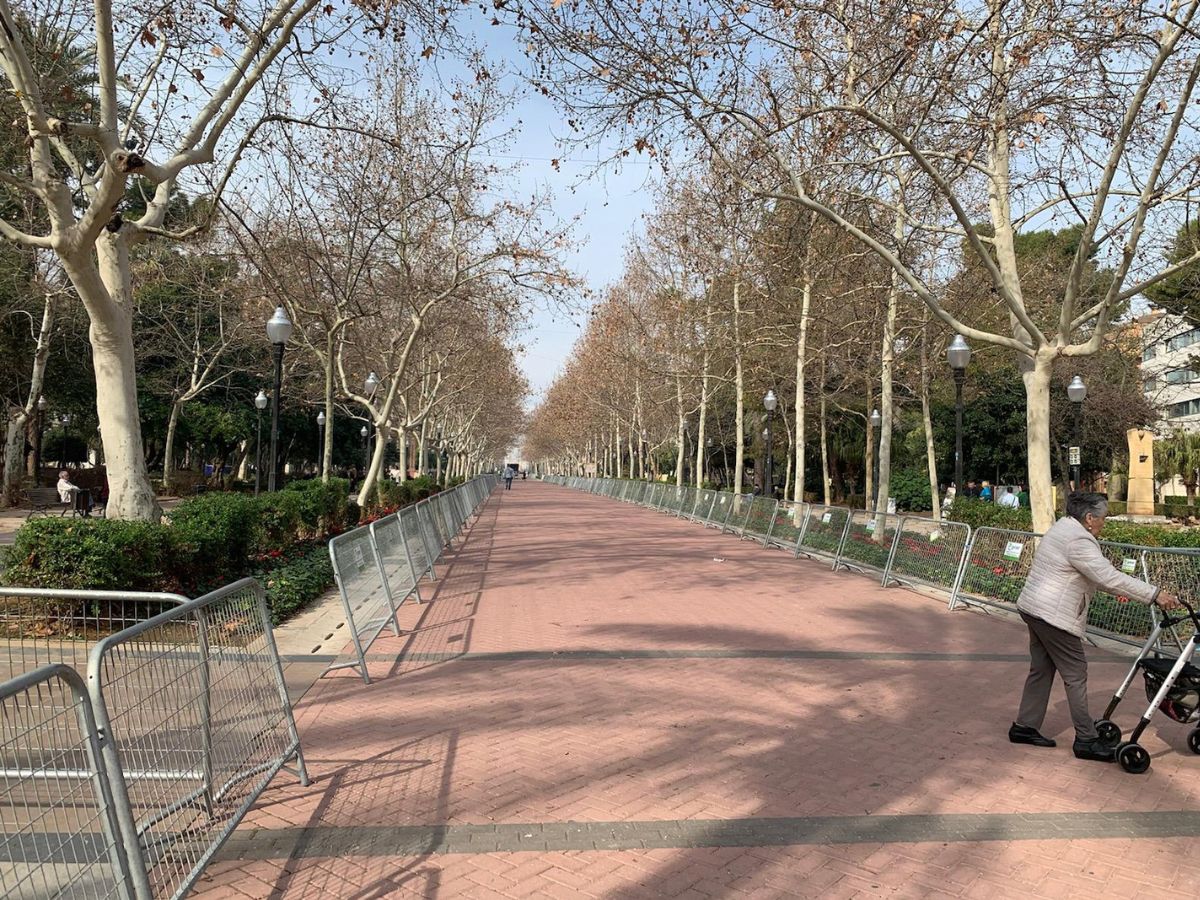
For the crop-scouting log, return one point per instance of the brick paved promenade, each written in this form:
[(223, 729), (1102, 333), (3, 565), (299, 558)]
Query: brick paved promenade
[(601, 701)]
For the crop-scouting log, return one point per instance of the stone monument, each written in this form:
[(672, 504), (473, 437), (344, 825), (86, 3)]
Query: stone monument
[(1140, 496)]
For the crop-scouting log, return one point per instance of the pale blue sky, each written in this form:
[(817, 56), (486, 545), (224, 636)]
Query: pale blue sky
[(609, 206)]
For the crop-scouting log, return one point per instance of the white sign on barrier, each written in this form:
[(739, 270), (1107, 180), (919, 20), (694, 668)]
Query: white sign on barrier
[(871, 526), (827, 518), (1013, 550), (1128, 566)]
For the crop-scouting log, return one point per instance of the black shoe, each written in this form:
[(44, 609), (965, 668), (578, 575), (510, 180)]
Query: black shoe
[(1094, 749), (1023, 734)]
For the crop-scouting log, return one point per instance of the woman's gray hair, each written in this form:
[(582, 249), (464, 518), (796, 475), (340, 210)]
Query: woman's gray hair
[(1080, 504)]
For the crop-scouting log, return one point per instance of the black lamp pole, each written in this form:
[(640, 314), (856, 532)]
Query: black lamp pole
[(1077, 393), (959, 355)]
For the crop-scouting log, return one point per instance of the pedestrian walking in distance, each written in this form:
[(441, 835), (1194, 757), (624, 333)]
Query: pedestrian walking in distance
[(508, 477), (1067, 569)]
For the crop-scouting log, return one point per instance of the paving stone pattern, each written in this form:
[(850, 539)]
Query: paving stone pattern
[(601, 701)]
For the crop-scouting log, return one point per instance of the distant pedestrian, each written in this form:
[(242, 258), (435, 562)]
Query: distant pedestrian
[(1068, 567), (1009, 500), (948, 499), (985, 492), (508, 477), (1022, 497), (972, 490)]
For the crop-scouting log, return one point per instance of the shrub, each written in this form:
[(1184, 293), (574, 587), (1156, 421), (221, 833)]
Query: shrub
[(281, 520), (981, 513), (219, 533), (93, 554), (910, 487), (324, 509), (296, 583)]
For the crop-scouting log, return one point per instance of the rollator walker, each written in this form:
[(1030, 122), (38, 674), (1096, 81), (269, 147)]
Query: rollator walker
[(1172, 685)]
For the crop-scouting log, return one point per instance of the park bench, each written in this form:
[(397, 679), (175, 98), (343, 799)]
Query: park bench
[(42, 501)]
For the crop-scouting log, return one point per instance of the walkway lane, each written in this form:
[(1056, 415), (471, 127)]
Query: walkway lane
[(604, 701)]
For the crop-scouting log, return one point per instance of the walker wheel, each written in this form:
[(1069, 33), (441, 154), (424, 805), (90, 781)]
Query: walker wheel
[(1194, 740), (1109, 732), (1133, 758)]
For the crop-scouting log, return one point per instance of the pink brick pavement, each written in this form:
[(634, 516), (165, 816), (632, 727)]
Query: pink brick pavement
[(548, 740)]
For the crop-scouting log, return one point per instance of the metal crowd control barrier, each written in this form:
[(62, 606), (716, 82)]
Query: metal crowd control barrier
[(867, 542), (787, 524), (823, 531), (987, 566), (721, 510), (997, 564), (197, 721), (928, 552), (127, 786), (380, 565), (43, 626), (756, 525), (703, 506), (61, 836), (366, 595)]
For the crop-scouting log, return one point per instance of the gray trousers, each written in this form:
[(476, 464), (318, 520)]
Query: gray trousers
[(1054, 650)]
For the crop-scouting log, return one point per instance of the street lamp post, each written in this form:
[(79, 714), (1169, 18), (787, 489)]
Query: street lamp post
[(644, 447), (37, 443), (959, 355), (321, 443), (366, 436), (708, 445), (876, 421), (260, 403), (1077, 393), (769, 403), (279, 329)]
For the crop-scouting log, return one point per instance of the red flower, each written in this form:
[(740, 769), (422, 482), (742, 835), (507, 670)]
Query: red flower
[(1122, 599), (997, 570)]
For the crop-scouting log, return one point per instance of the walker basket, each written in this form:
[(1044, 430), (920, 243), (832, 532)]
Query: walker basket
[(1183, 699)]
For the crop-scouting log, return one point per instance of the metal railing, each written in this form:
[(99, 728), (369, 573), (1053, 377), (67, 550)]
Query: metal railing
[(787, 524), (987, 566), (197, 721), (927, 552), (380, 565), (48, 626), (867, 542), (126, 785), (756, 523), (823, 532), (60, 836)]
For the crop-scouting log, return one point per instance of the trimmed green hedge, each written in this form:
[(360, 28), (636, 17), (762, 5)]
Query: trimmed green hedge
[(206, 541), (94, 554)]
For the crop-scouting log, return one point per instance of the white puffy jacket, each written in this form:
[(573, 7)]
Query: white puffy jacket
[(1067, 569)]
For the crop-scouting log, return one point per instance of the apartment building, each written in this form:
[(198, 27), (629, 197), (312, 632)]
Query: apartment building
[(1170, 379)]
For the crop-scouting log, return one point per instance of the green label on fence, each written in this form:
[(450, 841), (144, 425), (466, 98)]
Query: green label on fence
[(871, 525), (827, 518), (1128, 566), (1012, 550)]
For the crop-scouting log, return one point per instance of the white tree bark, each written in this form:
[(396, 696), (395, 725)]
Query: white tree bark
[(739, 392), (927, 424), (801, 362), (14, 436)]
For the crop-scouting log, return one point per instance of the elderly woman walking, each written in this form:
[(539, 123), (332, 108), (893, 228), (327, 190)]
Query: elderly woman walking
[(1067, 569)]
